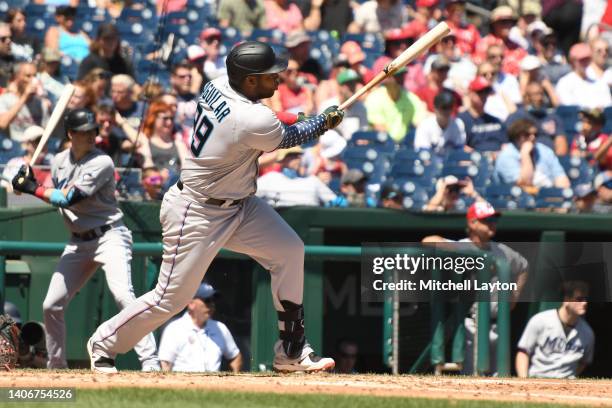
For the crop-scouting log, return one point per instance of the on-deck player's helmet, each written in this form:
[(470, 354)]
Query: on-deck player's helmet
[(80, 120), (252, 58)]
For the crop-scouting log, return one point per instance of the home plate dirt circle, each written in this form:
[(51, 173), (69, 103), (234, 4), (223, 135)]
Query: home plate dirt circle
[(580, 392)]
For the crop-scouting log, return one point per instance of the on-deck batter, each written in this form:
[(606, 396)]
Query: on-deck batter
[(213, 206), (84, 182)]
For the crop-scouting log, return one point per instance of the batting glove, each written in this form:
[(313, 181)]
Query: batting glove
[(24, 181), (333, 116)]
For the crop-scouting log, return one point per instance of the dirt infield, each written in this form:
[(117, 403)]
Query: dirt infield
[(580, 392)]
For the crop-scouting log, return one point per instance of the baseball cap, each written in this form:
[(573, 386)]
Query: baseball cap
[(398, 34), (195, 52), (603, 179), (353, 176), (32, 133), (479, 84), (209, 33), (502, 13), (539, 26), (441, 62), (347, 75), (481, 210), (282, 153), (296, 38), (353, 52), (583, 190), (445, 100), (67, 11), (391, 192), (51, 55), (332, 144), (580, 51), (427, 3), (596, 115), (205, 292), (530, 62)]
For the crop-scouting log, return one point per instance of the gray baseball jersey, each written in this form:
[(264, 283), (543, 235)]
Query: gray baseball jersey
[(235, 130), (94, 175), (553, 353)]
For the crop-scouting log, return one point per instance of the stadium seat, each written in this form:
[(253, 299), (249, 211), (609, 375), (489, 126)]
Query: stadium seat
[(569, 117), (378, 140), (608, 116), (577, 169), (271, 36), (69, 67), (461, 157), (363, 153), (503, 190), (9, 149), (369, 42)]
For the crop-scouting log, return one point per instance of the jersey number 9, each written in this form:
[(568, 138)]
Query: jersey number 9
[(200, 135)]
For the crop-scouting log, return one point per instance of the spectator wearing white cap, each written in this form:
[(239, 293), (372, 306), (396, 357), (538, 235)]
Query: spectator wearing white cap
[(197, 57), (324, 160), (576, 88), (31, 138), (531, 72), (196, 342), (210, 41), (599, 69)]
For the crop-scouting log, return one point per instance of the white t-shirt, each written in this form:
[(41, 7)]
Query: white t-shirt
[(373, 19), (194, 349), (429, 135), (509, 86), (606, 77), (552, 352), (586, 93), (281, 191)]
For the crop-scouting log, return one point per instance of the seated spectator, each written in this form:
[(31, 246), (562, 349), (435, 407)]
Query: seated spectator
[(181, 81), (292, 95), (197, 343), (483, 131), (49, 74), (558, 343), (603, 185), (396, 42), (324, 161), (152, 181), (462, 69), (525, 162), (599, 69), (592, 144), (21, 106), (353, 188), (326, 15), (214, 65), (122, 95), (105, 52), (7, 59), (161, 147), (111, 139), (554, 65), (170, 6), (426, 15), (353, 54), (448, 191), (441, 131), (243, 15), (502, 20), (284, 186), (83, 96), (356, 116), (391, 108), (576, 88), (196, 57), (99, 80), (283, 15), (31, 138), (390, 197), (63, 38), (507, 92), (466, 34), (531, 72), (24, 46), (347, 353), (298, 43), (550, 126), (529, 13), (585, 197), (375, 16), (435, 83)]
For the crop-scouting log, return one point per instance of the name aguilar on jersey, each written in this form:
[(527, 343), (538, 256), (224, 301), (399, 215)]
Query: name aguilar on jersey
[(211, 96)]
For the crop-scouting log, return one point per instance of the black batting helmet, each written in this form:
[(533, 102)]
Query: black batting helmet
[(80, 120), (252, 58)]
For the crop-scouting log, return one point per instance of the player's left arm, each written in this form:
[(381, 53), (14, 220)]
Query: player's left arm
[(25, 182), (304, 131)]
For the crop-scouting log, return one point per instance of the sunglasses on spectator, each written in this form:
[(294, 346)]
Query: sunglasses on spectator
[(495, 56), (164, 118), (5, 38), (602, 50), (210, 40), (487, 74), (185, 76), (153, 180)]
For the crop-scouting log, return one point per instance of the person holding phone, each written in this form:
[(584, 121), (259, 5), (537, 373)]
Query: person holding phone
[(448, 191)]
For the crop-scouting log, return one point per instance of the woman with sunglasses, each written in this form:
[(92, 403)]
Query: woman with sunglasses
[(105, 52)]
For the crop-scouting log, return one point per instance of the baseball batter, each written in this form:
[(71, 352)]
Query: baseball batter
[(84, 182), (213, 206)]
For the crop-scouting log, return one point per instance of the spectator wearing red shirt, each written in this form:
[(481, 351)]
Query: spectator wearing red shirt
[(502, 21), (426, 15), (435, 80), (293, 95), (467, 34), (396, 42), (592, 143)]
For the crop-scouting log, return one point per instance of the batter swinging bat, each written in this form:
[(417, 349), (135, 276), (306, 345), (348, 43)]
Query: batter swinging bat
[(419, 47), (55, 117)]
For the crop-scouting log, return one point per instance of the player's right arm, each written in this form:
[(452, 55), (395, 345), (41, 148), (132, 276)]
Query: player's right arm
[(27, 183)]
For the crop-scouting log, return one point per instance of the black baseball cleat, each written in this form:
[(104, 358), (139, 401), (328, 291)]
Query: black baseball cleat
[(100, 364), (308, 361)]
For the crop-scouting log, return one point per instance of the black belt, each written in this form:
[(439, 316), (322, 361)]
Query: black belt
[(92, 233), (214, 201)]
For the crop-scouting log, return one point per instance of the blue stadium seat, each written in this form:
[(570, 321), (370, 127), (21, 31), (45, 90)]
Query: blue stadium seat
[(608, 116), (553, 193), (369, 42), (406, 154), (9, 149), (39, 10), (363, 153), (268, 35), (569, 116), (378, 140), (501, 203), (69, 67), (577, 169), (230, 36), (503, 190), (461, 157)]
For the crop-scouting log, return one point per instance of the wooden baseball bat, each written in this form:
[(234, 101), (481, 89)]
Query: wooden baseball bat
[(54, 119), (421, 45)]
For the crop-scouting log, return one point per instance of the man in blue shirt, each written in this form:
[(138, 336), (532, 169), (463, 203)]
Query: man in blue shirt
[(483, 131), (525, 162)]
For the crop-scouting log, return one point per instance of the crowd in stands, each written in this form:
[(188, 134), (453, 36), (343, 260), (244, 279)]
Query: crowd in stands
[(513, 107)]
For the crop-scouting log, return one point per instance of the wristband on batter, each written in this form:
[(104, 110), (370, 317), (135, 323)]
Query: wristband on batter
[(303, 132), (40, 192)]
